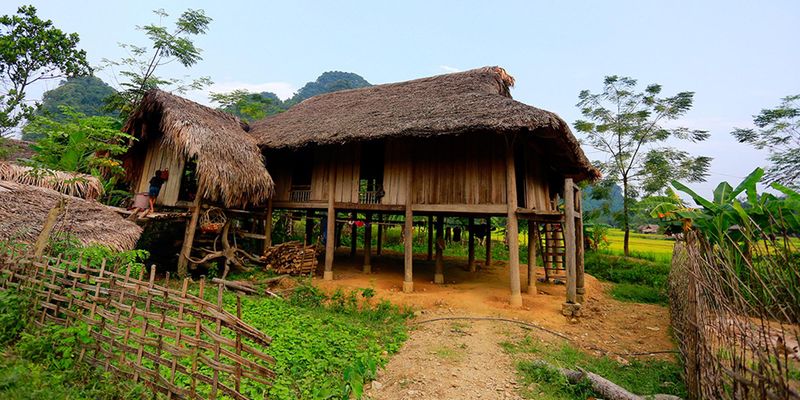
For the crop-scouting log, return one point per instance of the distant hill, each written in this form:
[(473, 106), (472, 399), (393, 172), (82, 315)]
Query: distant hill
[(270, 104), (602, 209)]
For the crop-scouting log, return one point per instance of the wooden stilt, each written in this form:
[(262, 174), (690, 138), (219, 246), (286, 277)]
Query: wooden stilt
[(549, 249), (353, 236), (512, 228), (309, 238), (408, 228), (379, 246), (580, 288), (471, 245), (330, 231), (438, 276), (488, 242), (188, 238), (532, 241), (430, 237), (368, 244), (268, 226), (569, 239)]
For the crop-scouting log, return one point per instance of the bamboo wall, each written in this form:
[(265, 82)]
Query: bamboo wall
[(457, 170), (160, 157)]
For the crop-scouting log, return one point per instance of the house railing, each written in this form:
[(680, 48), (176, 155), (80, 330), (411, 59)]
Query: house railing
[(300, 193), (371, 197)]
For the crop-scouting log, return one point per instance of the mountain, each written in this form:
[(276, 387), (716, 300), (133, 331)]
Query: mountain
[(259, 105), (601, 203)]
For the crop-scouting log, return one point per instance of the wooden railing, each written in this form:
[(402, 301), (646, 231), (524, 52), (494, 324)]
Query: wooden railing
[(300, 193), (371, 197)]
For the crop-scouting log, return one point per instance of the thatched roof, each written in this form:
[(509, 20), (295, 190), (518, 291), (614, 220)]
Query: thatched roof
[(229, 163), (70, 183), (473, 101), (24, 209)]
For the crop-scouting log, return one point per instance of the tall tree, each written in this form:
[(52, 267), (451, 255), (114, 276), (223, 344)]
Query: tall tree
[(138, 70), (32, 50), (245, 105), (629, 126), (779, 132)]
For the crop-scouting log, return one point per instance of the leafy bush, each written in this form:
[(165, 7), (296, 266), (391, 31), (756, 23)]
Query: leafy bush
[(54, 346), (118, 261), (14, 313)]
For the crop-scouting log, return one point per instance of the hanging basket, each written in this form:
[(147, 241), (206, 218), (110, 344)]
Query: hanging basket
[(213, 220)]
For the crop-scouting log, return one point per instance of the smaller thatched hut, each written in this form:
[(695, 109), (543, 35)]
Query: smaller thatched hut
[(70, 183), (24, 209)]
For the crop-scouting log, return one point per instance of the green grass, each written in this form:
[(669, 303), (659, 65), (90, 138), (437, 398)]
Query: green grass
[(636, 280), (537, 364), (645, 246)]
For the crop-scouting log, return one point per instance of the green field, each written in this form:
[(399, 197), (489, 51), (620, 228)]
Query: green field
[(646, 246)]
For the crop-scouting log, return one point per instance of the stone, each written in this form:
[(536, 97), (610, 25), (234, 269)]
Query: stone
[(376, 385)]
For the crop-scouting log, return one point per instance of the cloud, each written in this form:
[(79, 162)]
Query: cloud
[(283, 90), (448, 68)]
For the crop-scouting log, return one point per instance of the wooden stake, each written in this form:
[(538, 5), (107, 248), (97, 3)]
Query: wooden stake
[(368, 244), (438, 277), (330, 230), (471, 253), (512, 228), (569, 238), (532, 239)]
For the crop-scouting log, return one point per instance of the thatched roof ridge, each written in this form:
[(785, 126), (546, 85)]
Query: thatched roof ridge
[(478, 100), (70, 183), (229, 163), (24, 209)]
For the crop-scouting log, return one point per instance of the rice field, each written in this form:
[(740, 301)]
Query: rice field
[(645, 246)]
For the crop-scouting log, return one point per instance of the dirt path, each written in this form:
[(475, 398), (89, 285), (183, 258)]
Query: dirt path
[(450, 360)]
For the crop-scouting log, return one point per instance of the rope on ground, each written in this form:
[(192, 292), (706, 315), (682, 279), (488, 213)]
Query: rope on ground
[(543, 329)]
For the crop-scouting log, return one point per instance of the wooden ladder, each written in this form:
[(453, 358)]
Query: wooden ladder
[(554, 251)]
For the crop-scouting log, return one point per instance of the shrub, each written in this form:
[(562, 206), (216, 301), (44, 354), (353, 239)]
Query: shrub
[(14, 313)]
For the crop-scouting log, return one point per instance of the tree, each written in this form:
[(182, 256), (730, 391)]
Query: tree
[(629, 127), (32, 50), (245, 105), (779, 132), (138, 70)]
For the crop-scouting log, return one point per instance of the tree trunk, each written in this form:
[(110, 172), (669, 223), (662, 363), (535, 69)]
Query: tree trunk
[(625, 216)]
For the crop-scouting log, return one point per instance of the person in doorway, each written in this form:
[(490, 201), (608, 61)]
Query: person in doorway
[(156, 182)]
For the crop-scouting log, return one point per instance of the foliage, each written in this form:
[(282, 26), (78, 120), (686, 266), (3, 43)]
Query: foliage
[(13, 315), (325, 347), (83, 94), (635, 279), (628, 125), (119, 261), (641, 377), (245, 105), (32, 50), (88, 145), (602, 203), (779, 132), (597, 235), (138, 70)]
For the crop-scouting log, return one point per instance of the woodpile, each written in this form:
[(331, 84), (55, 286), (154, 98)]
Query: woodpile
[(291, 258)]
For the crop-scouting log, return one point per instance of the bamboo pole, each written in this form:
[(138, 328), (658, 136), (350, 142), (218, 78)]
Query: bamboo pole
[(512, 228), (471, 241), (438, 276), (330, 230), (368, 244), (532, 239)]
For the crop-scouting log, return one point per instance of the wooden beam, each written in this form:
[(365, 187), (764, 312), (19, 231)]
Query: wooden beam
[(438, 276), (430, 237), (294, 205), (512, 227), (330, 229), (471, 241), (533, 233), (569, 239), (408, 244), (188, 236), (494, 209), (368, 244)]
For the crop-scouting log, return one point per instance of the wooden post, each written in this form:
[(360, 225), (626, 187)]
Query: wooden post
[(569, 238), (438, 276), (47, 229), (580, 289), (532, 239), (330, 230), (368, 244), (309, 227), (188, 236), (430, 237), (353, 235), (268, 226), (408, 245), (512, 228), (488, 241), (549, 249), (379, 246), (471, 254)]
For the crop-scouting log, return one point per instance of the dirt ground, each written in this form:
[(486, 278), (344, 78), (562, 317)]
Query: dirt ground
[(607, 326)]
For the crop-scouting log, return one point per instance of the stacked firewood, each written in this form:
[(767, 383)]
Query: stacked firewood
[(291, 258)]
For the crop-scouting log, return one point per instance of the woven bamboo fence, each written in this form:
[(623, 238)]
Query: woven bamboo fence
[(734, 344), (175, 343)]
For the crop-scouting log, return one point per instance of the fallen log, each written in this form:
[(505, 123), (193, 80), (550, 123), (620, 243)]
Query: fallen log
[(604, 387), (236, 285)]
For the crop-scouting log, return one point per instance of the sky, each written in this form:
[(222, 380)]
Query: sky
[(737, 56)]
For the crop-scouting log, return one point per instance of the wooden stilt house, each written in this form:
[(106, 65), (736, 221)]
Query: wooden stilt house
[(455, 145)]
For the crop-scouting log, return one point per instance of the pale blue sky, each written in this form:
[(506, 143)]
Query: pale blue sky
[(737, 56)]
